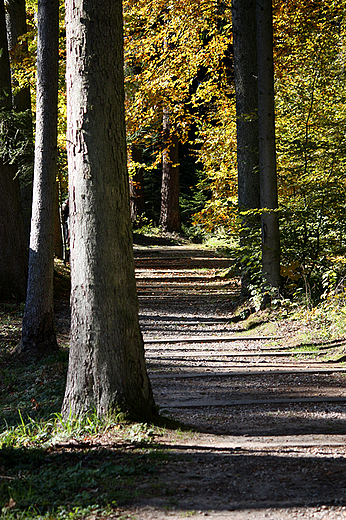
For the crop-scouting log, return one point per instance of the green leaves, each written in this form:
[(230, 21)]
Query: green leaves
[(16, 144)]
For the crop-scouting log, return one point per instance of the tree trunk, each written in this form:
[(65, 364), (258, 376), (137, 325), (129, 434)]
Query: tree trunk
[(15, 21), (267, 154), (16, 27), (107, 370), (13, 253), (58, 240), (137, 206), (170, 212), (38, 333), (245, 77)]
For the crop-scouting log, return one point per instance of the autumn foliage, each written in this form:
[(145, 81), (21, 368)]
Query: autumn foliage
[(178, 57)]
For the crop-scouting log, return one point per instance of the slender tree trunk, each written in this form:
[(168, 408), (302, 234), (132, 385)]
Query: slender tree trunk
[(13, 252), (267, 154), (137, 206), (170, 211), (16, 27), (245, 77), (38, 333), (106, 367)]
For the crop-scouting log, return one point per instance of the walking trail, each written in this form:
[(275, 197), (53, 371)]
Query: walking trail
[(267, 415)]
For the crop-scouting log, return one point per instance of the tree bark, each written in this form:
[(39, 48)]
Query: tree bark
[(267, 153), (170, 211), (16, 27), (15, 21), (137, 206), (107, 370), (245, 77), (58, 240), (38, 332), (13, 253)]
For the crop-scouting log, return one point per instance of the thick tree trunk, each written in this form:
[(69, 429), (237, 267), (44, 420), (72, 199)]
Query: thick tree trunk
[(245, 77), (267, 154), (13, 253), (137, 206), (38, 333), (107, 370), (170, 211), (16, 27)]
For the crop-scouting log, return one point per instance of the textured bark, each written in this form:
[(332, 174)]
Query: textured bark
[(245, 76), (170, 211), (58, 241), (106, 367), (15, 21), (13, 253), (267, 154), (16, 27), (38, 332), (137, 206)]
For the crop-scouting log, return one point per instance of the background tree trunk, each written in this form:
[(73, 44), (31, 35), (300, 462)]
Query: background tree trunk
[(137, 206), (16, 27), (170, 212), (13, 252), (267, 153), (58, 239), (107, 370), (38, 333)]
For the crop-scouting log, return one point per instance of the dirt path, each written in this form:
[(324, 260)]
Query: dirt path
[(268, 424)]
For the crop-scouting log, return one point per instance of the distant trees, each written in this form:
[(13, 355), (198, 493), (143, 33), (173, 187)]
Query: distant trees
[(174, 66), (106, 366)]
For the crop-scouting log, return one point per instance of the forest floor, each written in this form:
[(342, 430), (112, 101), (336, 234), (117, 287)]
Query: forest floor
[(260, 403)]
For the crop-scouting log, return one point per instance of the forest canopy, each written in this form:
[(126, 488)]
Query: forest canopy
[(178, 57)]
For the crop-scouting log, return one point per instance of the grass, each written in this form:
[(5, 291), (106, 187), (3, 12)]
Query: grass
[(55, 468), (52, 468), (70, 479)]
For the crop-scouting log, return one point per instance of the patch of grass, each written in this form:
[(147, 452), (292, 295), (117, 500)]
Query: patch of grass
[(67, 480), (58, 469), (306, 347), (36, 389)]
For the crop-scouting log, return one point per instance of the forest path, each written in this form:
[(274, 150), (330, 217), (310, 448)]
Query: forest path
[(268, 420)]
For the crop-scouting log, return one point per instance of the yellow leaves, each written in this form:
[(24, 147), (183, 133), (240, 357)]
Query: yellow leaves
[(164, 52), (291, 271)]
